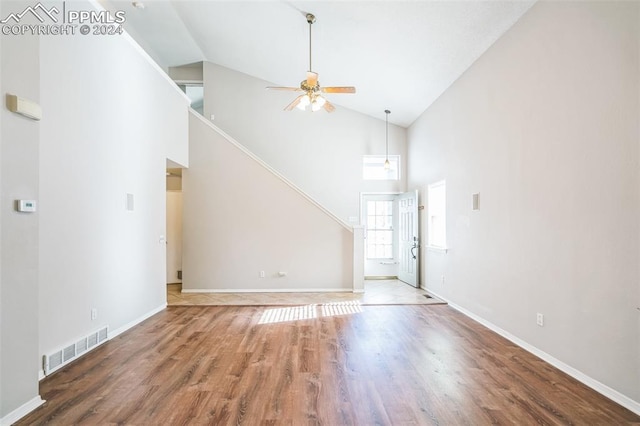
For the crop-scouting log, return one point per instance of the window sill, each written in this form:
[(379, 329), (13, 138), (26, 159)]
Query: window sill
[(437, 249)]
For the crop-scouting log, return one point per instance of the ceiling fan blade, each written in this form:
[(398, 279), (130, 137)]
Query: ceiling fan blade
[(294, 104), (328, 106), (312, 78), (291, 89), (348, 89)]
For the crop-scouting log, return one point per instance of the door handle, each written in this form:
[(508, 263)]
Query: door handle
[(413, 254)]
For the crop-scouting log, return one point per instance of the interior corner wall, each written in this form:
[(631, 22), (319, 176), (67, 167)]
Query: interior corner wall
[(545, 126), (239, 219), (110, 120), (320, 153), (19, 138)]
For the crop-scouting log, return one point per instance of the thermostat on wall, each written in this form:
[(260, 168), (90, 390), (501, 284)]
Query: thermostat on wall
[(27, 206)]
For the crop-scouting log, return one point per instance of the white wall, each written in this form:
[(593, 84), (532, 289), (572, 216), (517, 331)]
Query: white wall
[(19, 138), (545, 127), (110, 122), (240, 219), (2, 410), (321, 153)]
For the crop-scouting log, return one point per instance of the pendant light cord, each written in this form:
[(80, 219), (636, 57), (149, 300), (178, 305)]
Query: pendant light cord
[(386, 111), (310, 69)]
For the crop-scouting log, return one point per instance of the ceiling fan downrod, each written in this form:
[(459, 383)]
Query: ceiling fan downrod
[(310, 19)]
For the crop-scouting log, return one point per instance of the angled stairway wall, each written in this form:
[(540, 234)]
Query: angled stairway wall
[(241, 218), (321, 153)]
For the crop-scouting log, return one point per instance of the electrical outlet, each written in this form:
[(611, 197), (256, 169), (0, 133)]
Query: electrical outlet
[(540, 319), (442, 279), (262, 274), (94, 314)]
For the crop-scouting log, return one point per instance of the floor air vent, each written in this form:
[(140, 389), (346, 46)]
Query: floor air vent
[(57, 359)]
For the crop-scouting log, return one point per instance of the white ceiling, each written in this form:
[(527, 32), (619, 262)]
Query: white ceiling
[(400, 55)]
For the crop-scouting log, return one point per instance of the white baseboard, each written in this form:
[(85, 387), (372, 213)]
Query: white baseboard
[(136, 321), (21, 411), (599, 387), (267, 290)]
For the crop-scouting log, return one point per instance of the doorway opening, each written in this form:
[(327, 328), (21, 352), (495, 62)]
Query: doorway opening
[(391, 236), (174, 227)]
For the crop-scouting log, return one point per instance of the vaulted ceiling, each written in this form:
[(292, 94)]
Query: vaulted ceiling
[(400, 55)]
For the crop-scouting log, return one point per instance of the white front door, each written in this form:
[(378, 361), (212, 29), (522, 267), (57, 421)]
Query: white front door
[(379, 214), (408, 238)]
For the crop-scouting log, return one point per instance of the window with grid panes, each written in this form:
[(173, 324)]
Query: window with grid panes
[(379, 229)]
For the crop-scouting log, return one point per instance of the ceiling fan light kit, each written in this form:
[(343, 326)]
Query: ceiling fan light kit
[(312, 96)]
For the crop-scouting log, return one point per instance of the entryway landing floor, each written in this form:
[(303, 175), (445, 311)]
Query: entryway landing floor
[(377, 292)]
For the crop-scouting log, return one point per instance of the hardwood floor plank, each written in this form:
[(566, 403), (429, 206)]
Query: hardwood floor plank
[(387, 365)]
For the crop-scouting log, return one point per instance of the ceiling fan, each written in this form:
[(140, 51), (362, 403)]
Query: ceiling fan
[(312, 95)]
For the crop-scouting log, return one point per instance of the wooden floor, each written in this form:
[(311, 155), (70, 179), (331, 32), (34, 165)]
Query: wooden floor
[(333, 365)]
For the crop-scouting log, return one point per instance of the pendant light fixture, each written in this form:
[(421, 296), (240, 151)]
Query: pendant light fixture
[(387, 164)]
